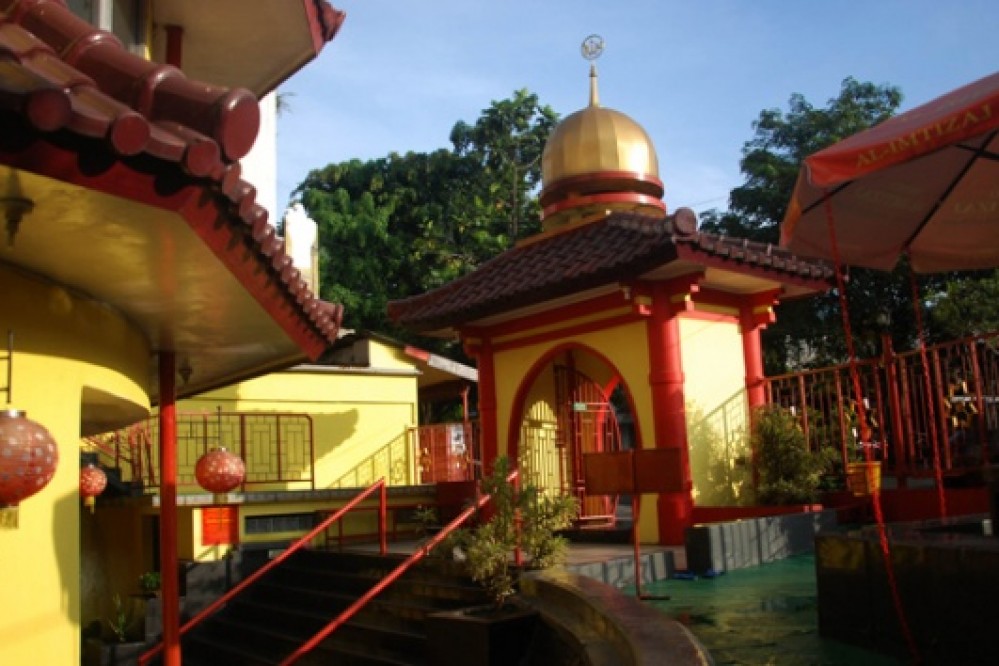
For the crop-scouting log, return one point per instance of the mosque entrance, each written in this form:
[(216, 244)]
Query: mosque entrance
[(577, 418)]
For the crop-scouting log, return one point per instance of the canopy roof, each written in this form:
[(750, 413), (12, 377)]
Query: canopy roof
[(598, 257), (135, 200), (925, 182)]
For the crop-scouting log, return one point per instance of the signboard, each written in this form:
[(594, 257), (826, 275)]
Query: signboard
[(219, 525), (630, 472)]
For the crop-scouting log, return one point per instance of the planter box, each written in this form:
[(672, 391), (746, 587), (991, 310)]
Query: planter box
[(481, 636), (863, 478), (99, 653)]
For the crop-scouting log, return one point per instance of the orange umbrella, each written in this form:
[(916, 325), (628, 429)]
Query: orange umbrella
[(925, 182)]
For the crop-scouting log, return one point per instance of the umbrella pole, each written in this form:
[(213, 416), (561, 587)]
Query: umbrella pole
[(865, 430)]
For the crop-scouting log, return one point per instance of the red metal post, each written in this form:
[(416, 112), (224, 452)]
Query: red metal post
[(382, 522), (170, 588), (895, 407), (518, 555), (976, 373)]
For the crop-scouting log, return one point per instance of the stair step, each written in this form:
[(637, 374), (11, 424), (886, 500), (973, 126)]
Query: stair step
[(301, 596)]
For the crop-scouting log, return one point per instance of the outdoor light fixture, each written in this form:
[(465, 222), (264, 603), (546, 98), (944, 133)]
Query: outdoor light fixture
[(185, 370), (93, 481), (28, 453), (220, 471), (15, 206)]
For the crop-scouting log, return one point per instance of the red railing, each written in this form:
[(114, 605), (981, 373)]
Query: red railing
[(395, 574), (956, 411), (275, 447), (292, 549)]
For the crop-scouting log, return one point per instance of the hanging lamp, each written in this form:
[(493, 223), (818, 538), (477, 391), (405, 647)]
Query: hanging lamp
[(28, 453), (219, 471), (93, 481)]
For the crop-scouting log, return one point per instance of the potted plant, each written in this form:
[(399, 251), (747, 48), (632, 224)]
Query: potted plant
[(863, 472), (500, 632), (119, 640), (149, 583), (789, 473)]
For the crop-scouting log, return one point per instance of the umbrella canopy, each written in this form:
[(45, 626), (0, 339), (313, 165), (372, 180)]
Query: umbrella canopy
[(925, 182)]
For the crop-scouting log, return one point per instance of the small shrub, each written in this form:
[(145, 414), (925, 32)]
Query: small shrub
[(486, 548), (788, 472)]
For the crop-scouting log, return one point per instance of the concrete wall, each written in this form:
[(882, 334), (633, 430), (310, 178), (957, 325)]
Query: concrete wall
[(753, 541)]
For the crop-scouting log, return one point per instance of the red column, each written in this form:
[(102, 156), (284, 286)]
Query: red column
[(487, 403), (169, 568), (752, 354), (669, 413)]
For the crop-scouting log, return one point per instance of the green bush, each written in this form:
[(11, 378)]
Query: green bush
[(788, 472), (487, 548)]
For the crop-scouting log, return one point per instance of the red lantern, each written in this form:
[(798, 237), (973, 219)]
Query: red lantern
[(93, 481), (28, 457), (219, 471)]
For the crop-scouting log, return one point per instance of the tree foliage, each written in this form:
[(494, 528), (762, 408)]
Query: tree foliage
[(810, 332), (404, 224)]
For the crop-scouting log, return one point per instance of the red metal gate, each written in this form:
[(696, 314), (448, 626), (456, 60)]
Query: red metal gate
[(586, 423)]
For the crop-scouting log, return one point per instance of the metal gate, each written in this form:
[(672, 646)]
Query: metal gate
[(552, 450)]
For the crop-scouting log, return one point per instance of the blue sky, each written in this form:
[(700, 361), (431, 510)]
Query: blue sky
[(695, 74)]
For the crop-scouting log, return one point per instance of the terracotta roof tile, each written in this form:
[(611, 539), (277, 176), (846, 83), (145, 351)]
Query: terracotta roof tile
[(60, 74), (620, 247)]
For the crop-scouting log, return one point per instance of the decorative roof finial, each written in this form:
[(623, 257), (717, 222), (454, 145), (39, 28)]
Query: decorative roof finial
[(591, 48)]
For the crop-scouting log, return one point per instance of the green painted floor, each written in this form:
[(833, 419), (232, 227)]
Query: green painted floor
[(761, 616)]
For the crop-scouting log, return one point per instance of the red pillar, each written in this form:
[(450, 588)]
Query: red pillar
[(752, 354), (669, 414), (169, 568), (487, 403)]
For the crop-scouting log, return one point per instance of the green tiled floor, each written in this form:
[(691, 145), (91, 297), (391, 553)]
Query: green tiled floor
[(760, 616)]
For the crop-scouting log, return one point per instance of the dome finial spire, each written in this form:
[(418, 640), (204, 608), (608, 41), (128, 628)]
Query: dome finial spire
[(591, 48)]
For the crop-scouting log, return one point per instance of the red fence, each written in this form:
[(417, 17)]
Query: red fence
[(446, 452), (949, 402)]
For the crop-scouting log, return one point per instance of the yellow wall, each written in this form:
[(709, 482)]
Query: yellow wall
[(360, 419), (715, 392), (629, 348), (64, 347)]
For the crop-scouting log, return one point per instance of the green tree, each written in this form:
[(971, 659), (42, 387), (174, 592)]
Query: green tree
[(965, 306), (404, 224), (505, 146), (810, 332)]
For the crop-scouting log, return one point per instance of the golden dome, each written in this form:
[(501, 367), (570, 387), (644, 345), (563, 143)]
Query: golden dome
[(597, 140), (598, 159)]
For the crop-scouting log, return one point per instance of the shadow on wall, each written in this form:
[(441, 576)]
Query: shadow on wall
[(720, 457)]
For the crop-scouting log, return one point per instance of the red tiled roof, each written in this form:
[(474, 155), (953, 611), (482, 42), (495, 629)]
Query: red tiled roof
[(620, 247), (62, 78)]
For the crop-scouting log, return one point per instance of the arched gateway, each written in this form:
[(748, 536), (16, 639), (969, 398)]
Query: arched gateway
[(614, 291)]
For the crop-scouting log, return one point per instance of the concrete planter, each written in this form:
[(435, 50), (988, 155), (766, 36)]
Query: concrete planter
[(481, 636)]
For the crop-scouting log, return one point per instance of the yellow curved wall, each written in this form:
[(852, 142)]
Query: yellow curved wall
[(62, 346)]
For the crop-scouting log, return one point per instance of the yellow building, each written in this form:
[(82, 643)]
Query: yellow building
[(617, 307), (133, 248)]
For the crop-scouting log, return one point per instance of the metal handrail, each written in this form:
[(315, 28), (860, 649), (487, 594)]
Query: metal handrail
[(395, 574), (295, 547)]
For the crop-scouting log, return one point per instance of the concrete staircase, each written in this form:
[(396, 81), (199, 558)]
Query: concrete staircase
[(290, 604)]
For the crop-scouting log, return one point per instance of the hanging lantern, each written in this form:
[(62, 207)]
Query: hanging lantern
[(219, 471), (28, 457), (93, 481)]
